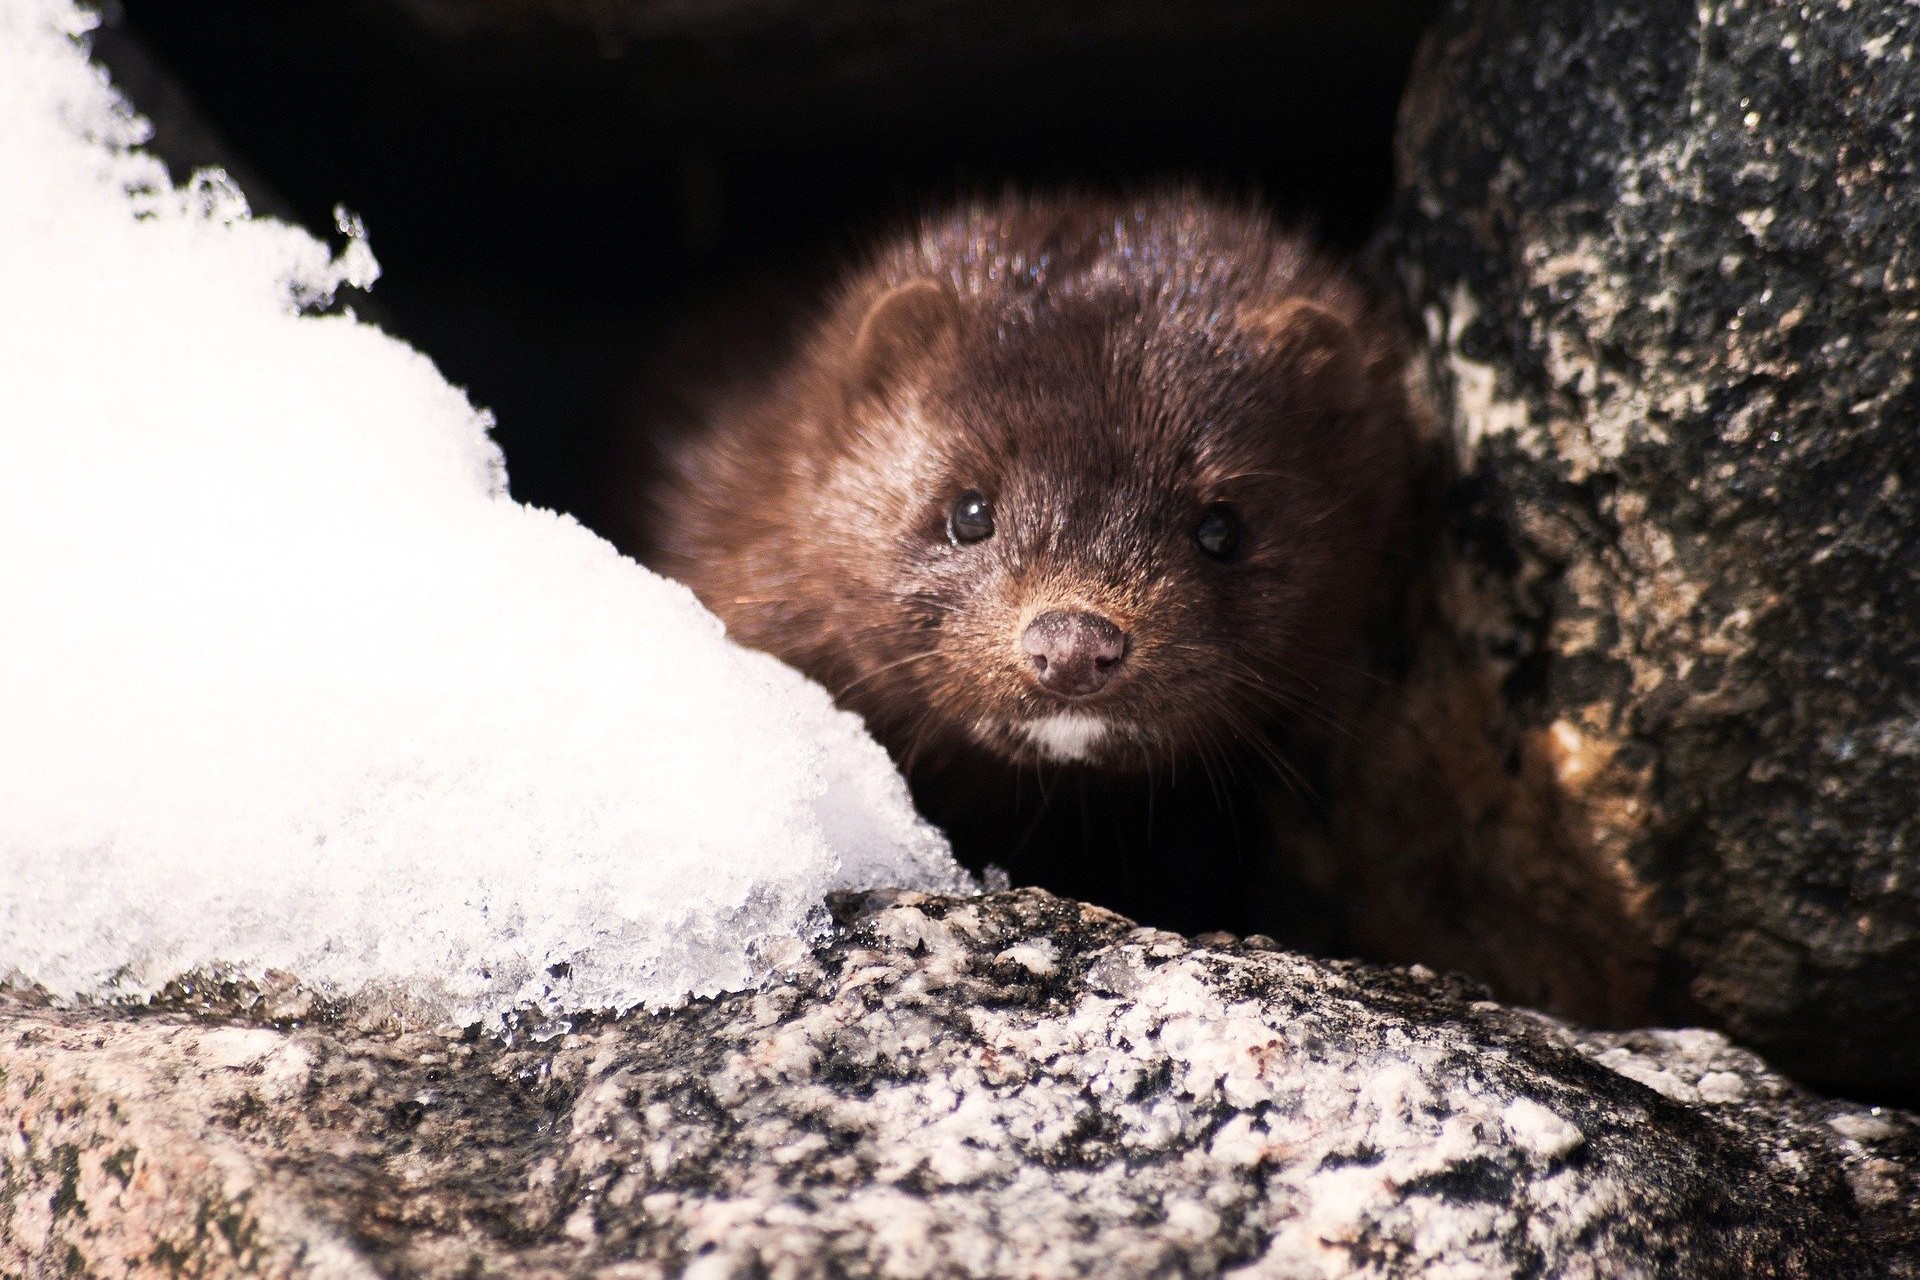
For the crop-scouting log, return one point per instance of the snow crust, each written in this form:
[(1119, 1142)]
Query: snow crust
[(287, 682)]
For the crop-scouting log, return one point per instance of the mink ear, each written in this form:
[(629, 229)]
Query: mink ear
[(1312, 348), (905, 324)]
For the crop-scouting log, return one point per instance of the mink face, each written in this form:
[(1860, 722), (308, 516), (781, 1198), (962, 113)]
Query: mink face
[(1097, 483)]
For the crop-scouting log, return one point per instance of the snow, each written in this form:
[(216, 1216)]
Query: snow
[(1538, 1130), (288, 683)]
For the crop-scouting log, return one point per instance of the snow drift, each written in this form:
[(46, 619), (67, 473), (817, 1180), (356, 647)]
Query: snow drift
[(288, 682)]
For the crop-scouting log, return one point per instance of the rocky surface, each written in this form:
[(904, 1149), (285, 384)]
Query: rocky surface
[(1668, 259), (1013, 1085)]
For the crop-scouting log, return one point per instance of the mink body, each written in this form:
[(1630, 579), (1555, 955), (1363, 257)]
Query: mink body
[(1085, 505)]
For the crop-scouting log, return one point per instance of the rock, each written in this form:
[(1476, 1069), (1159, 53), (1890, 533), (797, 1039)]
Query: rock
[(1667, 257), (1010, 1085)]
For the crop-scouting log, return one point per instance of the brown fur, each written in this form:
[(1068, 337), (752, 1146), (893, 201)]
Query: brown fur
[(1103, 371)]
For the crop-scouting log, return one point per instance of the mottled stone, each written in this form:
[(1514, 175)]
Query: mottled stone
[(1667, 257), (1011, 1085)]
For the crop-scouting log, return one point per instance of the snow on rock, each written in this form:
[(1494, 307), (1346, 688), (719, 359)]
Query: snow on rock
[(287, 681)]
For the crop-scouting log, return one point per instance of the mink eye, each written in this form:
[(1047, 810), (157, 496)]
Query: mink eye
[(1218, 532), (970, 519)]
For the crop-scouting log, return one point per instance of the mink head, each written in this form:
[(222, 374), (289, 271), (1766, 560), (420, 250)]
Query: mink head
[(1078, 482)]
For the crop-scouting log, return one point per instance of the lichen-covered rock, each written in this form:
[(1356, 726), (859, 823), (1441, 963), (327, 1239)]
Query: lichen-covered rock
[(1667, 255), (1012, 1085)]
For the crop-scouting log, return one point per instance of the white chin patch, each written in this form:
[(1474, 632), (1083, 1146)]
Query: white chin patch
[(1069, 736)]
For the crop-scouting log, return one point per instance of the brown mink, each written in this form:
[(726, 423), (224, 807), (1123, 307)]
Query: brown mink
[(1085, 505)]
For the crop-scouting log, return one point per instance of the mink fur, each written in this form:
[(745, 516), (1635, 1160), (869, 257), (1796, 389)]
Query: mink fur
[(1105, 374)]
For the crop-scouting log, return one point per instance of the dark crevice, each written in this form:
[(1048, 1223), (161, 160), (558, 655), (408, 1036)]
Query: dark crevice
[(549, 200)]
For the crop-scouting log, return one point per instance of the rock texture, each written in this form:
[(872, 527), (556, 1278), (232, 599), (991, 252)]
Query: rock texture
[(1011, 1085), (1667, 255)]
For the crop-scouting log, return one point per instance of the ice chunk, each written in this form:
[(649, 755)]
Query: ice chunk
[(286, 679)]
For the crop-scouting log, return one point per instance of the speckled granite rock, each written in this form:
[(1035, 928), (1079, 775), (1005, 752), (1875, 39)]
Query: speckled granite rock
[(1667, 253), (1014, 1085)]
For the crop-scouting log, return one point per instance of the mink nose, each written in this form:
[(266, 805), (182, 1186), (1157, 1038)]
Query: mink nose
[(1073, 654)]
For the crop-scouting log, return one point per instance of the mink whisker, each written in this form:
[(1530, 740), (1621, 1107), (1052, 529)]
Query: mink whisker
[(881, 670)]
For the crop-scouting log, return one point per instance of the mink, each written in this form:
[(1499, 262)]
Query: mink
[(1086, 504)]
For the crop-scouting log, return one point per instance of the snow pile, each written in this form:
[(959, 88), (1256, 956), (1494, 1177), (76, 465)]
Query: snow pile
[(287, 681)]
